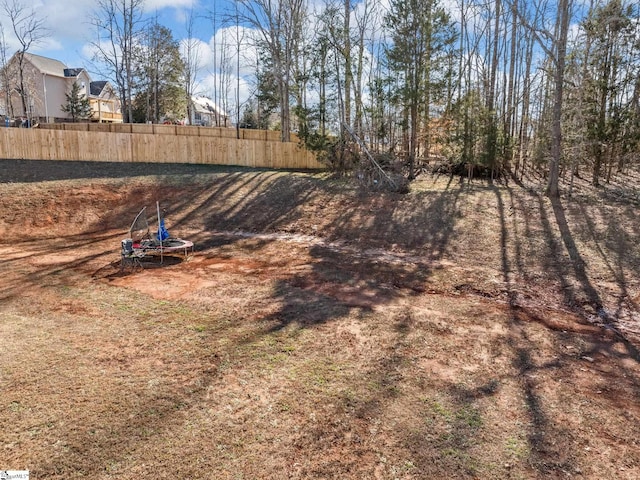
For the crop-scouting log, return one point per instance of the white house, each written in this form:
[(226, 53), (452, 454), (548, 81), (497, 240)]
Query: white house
[(105, 102), (46, 83), (207, 114)]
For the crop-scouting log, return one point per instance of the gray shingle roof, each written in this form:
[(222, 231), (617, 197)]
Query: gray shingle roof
[(72, 72), (95, 88)]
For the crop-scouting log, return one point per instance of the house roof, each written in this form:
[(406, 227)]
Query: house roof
[(95, 88), (56, 68), (206, 105), (51, 66), (73, 72), (47, 65)]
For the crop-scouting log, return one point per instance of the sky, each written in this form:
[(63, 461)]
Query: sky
[(70, 35), (70, 30)]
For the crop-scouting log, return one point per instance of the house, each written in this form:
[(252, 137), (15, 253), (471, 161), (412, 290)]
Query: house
[(46, 83), (207, 114), (104, 102)]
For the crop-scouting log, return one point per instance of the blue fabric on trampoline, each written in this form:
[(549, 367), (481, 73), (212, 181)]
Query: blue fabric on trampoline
[(163, 233)]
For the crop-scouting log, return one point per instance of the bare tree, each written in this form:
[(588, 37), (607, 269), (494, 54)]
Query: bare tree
[(559, 56), (29, 30), (5, 76), (509, 113), (554, 45), (224, 75), (213, 15), (492, 134), (118, 23), (346, 53), (363, 22), (191, 58), (239, 42), (279, 23)]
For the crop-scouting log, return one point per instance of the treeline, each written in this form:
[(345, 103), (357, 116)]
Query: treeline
[(505, 85)]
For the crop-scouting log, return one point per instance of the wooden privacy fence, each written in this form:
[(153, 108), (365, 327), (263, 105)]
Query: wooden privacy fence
[(50, 144), (242, 133)]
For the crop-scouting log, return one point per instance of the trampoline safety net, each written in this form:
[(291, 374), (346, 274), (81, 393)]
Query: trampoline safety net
[(140, 227)]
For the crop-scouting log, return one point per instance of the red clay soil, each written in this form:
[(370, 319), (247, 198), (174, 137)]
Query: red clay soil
[(463, 330)]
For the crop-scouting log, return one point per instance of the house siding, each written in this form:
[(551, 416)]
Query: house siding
[(56, 97)]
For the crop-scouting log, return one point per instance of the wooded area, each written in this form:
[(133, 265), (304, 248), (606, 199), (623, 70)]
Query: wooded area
[(170, 147), (509, 86)]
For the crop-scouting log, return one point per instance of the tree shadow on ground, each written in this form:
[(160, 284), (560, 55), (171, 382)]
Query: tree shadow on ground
[(566, 265), (423, 223), (339, 283), (594, 301), (343, 280), (356, 277), (616, 244), (31, 171), (545, 457), (55, 273)]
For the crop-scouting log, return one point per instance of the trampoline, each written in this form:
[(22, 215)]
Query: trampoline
[(142, 243), (170, 245)]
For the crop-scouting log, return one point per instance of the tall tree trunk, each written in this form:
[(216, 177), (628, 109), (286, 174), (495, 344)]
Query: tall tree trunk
[(358, 87), (510, 114), (553, 190), (22, 85), (323, 91), (523, 135), (490, 104), (348, 74)]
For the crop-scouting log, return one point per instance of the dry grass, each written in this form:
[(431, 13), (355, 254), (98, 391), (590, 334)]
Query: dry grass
[(460, 331)]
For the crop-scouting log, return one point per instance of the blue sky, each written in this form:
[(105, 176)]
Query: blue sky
[(71, 33), (69, 24)]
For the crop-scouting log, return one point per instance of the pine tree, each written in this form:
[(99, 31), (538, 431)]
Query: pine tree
[(77, 105), (422, 36), (612, 35), (159, 93)]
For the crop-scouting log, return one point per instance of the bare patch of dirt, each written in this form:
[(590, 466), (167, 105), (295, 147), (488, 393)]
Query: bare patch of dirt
[(464, 330)]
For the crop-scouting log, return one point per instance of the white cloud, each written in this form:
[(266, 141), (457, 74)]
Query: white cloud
[(575, 30), (225, 45), (152, 5), (65, 22), (201, 52), (88, 51)]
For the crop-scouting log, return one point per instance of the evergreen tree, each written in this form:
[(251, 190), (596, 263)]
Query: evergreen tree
[(77, 105), (267, 92), (249, 119), (421, 37), (159, 74), (609, 77)]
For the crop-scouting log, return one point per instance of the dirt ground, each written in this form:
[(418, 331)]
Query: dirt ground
[(463, 330)]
